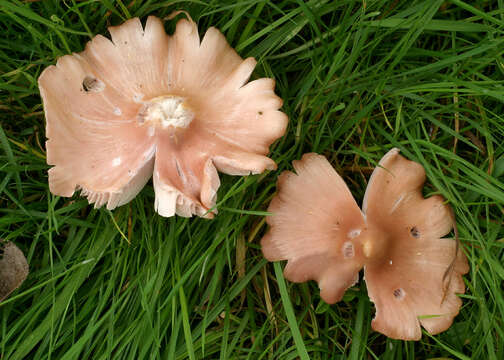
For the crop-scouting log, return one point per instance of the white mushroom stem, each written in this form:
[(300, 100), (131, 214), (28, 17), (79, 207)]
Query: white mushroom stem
[(165, 112)]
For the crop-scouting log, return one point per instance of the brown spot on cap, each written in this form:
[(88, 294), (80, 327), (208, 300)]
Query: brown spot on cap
[(399, 294), (414, 232), (92, 84)]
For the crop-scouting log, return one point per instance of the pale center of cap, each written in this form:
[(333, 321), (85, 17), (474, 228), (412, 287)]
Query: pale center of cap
[(165, 112), (367, 248)]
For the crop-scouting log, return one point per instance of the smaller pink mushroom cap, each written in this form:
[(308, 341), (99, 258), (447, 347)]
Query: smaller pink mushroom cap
[(407, 283), (314, 225), (397, 238), (148, 104)]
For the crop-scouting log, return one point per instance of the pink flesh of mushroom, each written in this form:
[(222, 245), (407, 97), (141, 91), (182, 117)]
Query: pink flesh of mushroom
[(319, 229), (148, 104)]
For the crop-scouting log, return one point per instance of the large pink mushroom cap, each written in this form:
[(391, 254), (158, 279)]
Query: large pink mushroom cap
[(148, 104), (413, 274)]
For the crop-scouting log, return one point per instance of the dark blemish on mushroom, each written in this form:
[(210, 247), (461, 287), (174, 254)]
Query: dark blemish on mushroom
[(92, 84), (414, 232), (179, 171), (142, 113), (399, 294), (348, 250)]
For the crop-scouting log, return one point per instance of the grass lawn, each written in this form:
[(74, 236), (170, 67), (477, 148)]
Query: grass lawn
[(357, 77)]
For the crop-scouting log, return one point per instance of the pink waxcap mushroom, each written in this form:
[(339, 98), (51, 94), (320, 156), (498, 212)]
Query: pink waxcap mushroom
[(148, 104), (314, 225), (407, 282), (412, 273)]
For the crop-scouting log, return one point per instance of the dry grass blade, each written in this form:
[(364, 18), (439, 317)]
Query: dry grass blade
[(13, 268)]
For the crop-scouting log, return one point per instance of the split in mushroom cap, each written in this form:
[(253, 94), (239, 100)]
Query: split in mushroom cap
[(147, 103), (13, 268), (317, 226)]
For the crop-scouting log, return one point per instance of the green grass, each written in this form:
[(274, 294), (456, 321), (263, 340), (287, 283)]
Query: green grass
[(357, 78)]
